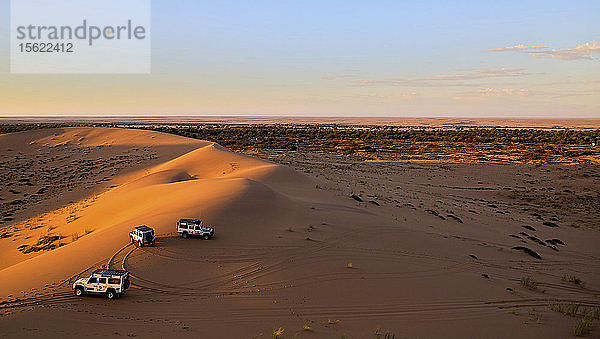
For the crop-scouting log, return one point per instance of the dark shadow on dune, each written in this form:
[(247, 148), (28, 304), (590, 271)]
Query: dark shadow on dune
[(528, 251), (555, 242), (528, 227)]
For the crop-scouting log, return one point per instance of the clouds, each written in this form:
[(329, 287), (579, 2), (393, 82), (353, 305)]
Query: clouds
[(504, 92), (456, 79), (515, 48), (586, 51), (380, 98), (337, 76), (522, 82), (548, 94)]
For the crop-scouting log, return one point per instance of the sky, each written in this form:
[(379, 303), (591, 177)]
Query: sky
[(525, 59)]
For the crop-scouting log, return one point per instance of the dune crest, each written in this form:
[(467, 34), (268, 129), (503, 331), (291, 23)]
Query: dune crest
[(92, 136)]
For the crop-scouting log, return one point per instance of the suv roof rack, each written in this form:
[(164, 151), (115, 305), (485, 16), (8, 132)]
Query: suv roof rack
[(143, 228), (104, 272)]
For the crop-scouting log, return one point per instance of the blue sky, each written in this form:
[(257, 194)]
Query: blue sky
[(341, 58)]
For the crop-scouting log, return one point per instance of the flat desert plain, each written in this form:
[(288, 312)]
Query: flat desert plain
[(310, 246)]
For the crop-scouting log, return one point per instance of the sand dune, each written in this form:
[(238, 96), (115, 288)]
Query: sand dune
[(428, 251), (208, 182)]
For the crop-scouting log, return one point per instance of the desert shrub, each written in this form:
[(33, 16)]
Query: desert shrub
[(571, 310), (74, 236), (583, 326), (529, 283), (381, 334), (44, 243), (573, 279)]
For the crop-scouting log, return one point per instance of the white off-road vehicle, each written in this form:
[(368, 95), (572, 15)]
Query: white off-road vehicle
[(111, 283), (142, 235), (194, 227)]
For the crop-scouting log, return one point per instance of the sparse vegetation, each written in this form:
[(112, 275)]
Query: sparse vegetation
[(74, 236), (278, 333), (306, 327), (583, 326), (587, 316), (387, 142), (382, 142), (535, 315), (529, 283), (575, 310), (573, 279), (71, 217), (44, 243), (12, 128), (571, 309), (381, 334)]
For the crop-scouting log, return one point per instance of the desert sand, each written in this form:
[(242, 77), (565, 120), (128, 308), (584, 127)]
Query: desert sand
[(318, 246)]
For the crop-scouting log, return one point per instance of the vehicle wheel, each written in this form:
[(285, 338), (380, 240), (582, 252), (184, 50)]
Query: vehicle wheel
[(79, 291), (111, 295), (206, 237), (184, 235)]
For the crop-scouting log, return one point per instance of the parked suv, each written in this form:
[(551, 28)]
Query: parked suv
[(191, 227), (111, 283), (142, 235)]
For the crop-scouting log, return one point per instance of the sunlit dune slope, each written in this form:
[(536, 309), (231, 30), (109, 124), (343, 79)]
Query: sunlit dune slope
[(223, 188)]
